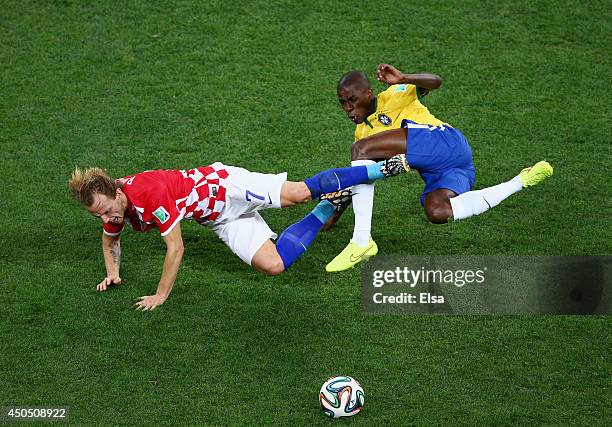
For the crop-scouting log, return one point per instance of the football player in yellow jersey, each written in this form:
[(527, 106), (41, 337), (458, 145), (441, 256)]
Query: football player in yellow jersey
[(397, 122)]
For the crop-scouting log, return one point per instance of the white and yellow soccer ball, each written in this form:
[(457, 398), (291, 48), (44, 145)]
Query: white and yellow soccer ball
[(341, 397)]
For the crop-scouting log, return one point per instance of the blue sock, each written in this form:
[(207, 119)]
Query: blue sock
[(374, 172), (294, 241), (336, 179)]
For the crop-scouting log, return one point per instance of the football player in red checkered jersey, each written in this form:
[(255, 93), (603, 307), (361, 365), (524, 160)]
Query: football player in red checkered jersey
[(226, 198)]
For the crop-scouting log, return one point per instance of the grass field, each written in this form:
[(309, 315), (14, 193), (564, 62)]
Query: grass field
[(139, 85)]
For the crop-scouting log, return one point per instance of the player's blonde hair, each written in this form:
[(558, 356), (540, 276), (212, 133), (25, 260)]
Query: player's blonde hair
[(84, 183)]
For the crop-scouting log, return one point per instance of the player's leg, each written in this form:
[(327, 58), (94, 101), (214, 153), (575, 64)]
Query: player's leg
[(245, 232), (292, 243), (294, 193), (437, 205), (384, 145), (472, 203), (241, 227), (361, 246), (337, 179), (249, 238), (443, 157), (248, 235), (296, 238), (267, 260), (381, 146), (443, 185), (250, 191)]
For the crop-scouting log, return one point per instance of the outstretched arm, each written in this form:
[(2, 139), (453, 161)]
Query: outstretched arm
[(389, 74), (172, 262), (111, 248)]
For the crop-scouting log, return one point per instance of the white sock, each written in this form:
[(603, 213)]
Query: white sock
[(476, 202), (363, 203)]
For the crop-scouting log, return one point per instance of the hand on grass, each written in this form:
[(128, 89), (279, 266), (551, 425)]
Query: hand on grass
[(149, 302), (108, 281)]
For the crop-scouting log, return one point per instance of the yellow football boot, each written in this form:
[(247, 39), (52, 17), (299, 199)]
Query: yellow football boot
[(352, 255), (536, 174)]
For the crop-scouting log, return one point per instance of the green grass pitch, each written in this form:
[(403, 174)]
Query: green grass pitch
[(139, 85)]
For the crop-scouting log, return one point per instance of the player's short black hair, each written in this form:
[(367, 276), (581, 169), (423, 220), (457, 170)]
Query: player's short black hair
[(354, 77)]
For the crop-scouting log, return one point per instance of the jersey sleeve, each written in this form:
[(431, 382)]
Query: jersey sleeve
[(403, 94), (164, 211), (112, 229)]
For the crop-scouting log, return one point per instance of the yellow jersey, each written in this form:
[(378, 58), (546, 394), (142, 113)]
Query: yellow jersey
[(393, 105)]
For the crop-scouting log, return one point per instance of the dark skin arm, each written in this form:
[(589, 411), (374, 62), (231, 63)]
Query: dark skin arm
[(392, 76)]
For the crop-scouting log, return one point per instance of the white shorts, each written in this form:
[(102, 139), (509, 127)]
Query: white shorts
[(239, 225)]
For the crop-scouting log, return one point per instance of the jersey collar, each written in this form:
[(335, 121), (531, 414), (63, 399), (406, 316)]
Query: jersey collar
[(130, 211), (366, 121)]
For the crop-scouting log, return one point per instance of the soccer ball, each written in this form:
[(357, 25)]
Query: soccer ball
[(341, 397)]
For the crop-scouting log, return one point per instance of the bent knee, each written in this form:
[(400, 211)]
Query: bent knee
[(273, 267), (294, 193), (267, 260), (439, 214), (300, 195), (303, 194)]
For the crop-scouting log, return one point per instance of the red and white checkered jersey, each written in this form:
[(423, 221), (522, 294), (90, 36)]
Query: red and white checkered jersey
[(161, 198)]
